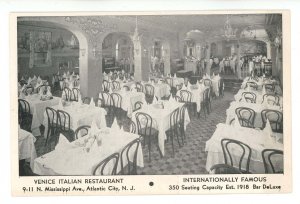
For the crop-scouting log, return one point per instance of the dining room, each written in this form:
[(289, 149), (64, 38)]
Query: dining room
[(150, 94)]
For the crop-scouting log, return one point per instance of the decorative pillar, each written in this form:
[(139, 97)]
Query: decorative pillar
[(268, 50), (274, 52), (208, 65), (238, 61)]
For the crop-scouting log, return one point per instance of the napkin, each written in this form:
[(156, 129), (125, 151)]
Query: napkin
[(39, 79), (63, 143), (34, 77), (154, 100), (94, 128), (64, 75), (115, 125), (77, 76), (29, 80), (92, 103), (68, 73), (22, 78), (268, 129), (175, 75), (152, 82), (237, 122), (49, 93), (171, 99)]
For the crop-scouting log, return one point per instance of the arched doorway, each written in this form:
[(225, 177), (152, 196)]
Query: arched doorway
[(117, 53), (67, 49)]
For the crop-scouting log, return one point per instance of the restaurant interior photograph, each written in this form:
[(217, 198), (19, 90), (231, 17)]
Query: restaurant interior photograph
[(150, 94)]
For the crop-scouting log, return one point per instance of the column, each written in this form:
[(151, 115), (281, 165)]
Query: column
[(274, 60), (238, 61), (208, 65)]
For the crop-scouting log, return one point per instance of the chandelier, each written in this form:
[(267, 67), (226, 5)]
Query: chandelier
[(229, 32)]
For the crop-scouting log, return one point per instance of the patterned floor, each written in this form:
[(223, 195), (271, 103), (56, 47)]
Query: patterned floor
[(189, 159)]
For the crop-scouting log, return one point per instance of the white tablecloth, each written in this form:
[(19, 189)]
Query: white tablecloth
[(161, 119), (37, 108), (26, 146), (258, 108), (197, 94), (75, 160), (160, 90), (80, 115), (258, 140)]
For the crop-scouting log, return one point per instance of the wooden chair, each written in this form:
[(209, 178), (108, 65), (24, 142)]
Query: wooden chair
[(100, 168), (138, 105), (86, 100), (116, 85), (149, 93), (67, 93), (82, 131), (205, 103), (246, 116), (76, 93), (129, 155), (267, 155), (271, 99), (53, 129), (64, 124), (275, 118), (24, 115), (186, 97), (132, 127), (251, 84), (105, 86), (249, 97)]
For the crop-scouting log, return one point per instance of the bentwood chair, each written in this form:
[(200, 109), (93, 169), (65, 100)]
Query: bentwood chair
[(207, 82), (221, 87), (99, 102), (230, 148), (147, 130), (186, 97), (82, 131), (116, 85), (126, 88), (24, 116), (205, 103), (270, 88), (44, 89), (251, 84), (138, 105), (76, 93), (139, 86), (246, 116), (86, 100), (174, 131), (132, 127), (28, 90), (64, 124), (249, 97), (271, 99), (67, 93), (128, 158), (271, 158), (76, 83), (275, 118), (181, 118), (105, 86), (117, 106), (177, 98), (149, 93), (102, 168), (53, 129)]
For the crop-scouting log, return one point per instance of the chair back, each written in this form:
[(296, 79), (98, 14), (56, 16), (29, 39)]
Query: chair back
[(271, 99), (206, 95), (76, 83), (116, 85), (249, 97), (139, 87), (86, 100), (129, 157), (149, 89), (177, 98), (275, 118), (117, 100), (207, 82), (230, 148), (246, 116), (52, 117), (179, 87), (107, 99), (99, 102), (76, 93), (186, 96), (126, 88), (44, 89), (101, 167), (105, 86), (24, 107), (132, 127), (138, 105), (82, 131), (28, 90), (174, 120), (64, 120), (68, 93), (169, 81), (144, 123), (251, 84), (182, 112), (269, 88), (273, 160)]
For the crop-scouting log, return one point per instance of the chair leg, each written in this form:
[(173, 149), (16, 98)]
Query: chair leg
[(172, 144), (149, 148)]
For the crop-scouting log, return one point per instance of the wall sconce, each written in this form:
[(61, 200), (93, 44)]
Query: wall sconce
[(82, 51)]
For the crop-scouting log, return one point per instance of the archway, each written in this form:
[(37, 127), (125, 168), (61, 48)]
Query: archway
[(117, 53), (76, 41)]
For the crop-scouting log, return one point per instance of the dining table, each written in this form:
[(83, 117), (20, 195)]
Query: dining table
[(258, 140), (38, 106), (81, 156), (26, 146), (161, 118), (80, 114)]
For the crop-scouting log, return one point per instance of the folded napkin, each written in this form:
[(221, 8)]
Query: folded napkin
[(64, 75), (175, 75), (29, 80), (22, 78), (237, 122), (171, 99), (268, 129), (63, 143), (184, 87), (115, 125), (49, 94), (34, 77), (92, 103), (154, 100), (94, 128), (77, 76), (68, 73)]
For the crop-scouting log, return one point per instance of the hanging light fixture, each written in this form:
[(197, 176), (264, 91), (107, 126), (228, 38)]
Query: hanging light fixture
[(229, 32)]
